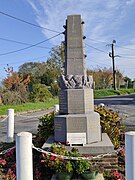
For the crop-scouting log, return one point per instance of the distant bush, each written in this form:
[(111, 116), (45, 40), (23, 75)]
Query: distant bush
[(14, 97), (40, 93), (127, 91), (54, 89), (105, 92)]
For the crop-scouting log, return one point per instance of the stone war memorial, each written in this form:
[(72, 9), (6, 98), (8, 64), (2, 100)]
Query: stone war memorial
[(77, 123)]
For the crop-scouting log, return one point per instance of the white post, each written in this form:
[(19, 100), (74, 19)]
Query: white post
[(56, 107), (130, 155), (24, 161), (10, 125)]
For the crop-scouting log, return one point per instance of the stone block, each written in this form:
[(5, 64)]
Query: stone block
[(76, 101), (78, 123), (75, 60)]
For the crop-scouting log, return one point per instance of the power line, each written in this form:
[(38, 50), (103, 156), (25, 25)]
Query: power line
[(127, 57), (125, 48), (27, 22), (108, 43), (23, 43), (98, 63), (97, 41), (33, 45), (96, 49), (29, 60)]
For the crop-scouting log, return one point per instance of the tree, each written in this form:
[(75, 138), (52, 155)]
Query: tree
[(14, 87), (103, 77), (34, 69), (45, 72), (128, 81)]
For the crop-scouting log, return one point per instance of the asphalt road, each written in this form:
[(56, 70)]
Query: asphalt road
[(125, 105), (23, 122)]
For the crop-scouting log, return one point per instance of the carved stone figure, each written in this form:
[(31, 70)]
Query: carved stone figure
[(75, 81)]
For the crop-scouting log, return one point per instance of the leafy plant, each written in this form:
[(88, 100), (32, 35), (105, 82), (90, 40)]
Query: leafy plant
[(111, 123), (58, 164), (80, 166), (45, 127)]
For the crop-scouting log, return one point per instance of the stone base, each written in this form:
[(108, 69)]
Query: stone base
[(82, 128), (102, 147)]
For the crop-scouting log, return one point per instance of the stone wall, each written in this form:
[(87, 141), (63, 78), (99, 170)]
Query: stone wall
[(107, 163)]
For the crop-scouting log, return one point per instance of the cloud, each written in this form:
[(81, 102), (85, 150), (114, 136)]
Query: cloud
[(101, 17), (104, 21), (129, 2), (33, 6)]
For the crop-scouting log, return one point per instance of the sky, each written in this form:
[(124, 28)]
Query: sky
[(105, 21)]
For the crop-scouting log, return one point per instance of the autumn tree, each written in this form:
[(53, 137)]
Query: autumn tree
[(103, 77), (15, 87)]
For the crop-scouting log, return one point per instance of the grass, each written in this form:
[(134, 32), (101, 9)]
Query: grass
[(111, 92), (28, 106), (45, 105)]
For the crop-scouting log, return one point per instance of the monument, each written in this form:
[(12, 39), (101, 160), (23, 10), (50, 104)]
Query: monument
[(77, 124)]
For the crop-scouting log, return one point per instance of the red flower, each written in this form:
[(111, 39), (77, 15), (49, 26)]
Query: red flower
[(52, 158), (2, 162), (116, 175), (14, 165)]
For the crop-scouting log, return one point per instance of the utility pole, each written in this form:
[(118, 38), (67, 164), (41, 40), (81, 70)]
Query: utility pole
[(111, 54)]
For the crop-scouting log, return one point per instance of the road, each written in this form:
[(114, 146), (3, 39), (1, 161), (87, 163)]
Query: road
[(29, 121), (23, 122), (125, 105)]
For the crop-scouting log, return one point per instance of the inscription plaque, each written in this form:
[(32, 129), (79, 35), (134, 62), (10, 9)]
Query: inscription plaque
[(76, 138)]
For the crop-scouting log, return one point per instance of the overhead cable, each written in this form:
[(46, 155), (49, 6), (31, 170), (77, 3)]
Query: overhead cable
[(23, 43), (11, 52), (27, 22), (96, 49)]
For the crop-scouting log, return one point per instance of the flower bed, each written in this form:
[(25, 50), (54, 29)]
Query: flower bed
[(44, 166)]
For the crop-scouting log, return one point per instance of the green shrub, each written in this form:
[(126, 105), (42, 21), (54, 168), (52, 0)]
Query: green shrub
[(111, 123), (45, 127), (40, 93)]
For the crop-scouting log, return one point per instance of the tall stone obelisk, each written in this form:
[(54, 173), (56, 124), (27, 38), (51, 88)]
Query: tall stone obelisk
[(76, 122)]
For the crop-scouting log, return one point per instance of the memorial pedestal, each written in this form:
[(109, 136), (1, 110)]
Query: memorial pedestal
[(77, 122), (77, 128)]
